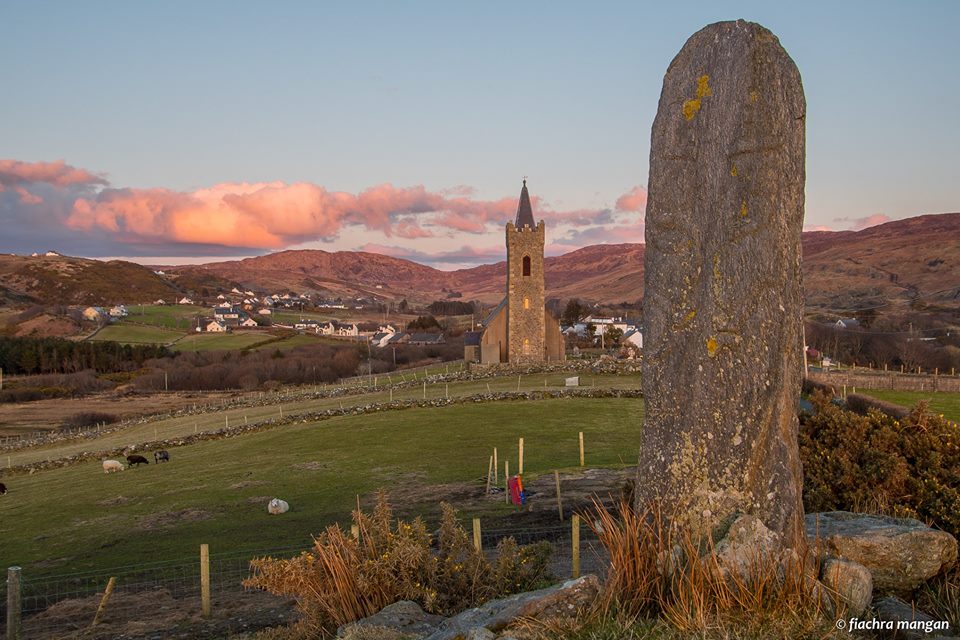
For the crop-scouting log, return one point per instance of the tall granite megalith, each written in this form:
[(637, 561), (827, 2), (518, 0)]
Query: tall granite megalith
[(723, 301)]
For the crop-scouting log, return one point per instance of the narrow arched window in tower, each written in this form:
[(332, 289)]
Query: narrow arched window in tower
[(526, 265), (526, 346), (526, 303)]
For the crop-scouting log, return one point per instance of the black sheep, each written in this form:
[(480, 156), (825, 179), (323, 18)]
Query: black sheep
[(161, 456), (3, 488), (136, 460)]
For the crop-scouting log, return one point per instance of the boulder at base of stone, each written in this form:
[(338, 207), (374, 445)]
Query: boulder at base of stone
[(852, 583), (404, 617), (910, 624), (568, 598), (901, 553)]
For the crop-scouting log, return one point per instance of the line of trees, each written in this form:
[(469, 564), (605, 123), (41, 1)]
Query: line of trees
[(28, 356)]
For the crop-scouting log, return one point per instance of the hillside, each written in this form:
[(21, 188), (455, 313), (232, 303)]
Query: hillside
[(55, 279), (893, 262)]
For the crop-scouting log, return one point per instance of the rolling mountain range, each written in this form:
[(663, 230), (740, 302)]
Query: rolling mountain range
[(843, 270)]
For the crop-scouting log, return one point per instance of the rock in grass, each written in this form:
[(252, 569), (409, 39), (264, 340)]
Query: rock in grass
[(901, 553), (723, 301)]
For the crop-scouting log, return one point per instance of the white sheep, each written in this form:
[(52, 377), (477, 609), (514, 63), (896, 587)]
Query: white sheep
[(109, 466), (277, 506)]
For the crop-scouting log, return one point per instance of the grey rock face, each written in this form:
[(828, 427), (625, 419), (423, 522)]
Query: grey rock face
[(404, 617), (851, 581), (722, 312), (910, 624), (901, 553), (569, 599)]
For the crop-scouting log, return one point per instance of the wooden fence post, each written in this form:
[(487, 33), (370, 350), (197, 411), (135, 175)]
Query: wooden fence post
[(476, 535), (581, 448), (506, 480), (556, 476), (520, 469), (496, 468), (489, 473), (575, 525), (103, 601), (205, 580), (13, 603)]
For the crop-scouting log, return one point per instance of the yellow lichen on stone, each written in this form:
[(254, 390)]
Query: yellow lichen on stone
[(703, 88), (712, 346), (743, 209), (690, 316), (734, 172), (754, 96), (691, 107)]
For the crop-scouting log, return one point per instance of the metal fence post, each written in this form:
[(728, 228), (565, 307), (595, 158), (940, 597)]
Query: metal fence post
[(13, 603)]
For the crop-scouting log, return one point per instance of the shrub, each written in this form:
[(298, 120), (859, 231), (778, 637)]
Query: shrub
[(878, 463), (342, 578), (88, 419)]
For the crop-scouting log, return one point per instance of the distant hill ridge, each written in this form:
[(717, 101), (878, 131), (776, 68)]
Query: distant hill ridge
[(842, 269)]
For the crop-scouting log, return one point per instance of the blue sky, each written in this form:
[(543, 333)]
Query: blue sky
[(177, 105)]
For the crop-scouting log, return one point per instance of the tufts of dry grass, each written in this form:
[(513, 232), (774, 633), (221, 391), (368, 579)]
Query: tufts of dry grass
[(345, 578)]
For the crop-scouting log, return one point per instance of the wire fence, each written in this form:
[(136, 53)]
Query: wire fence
[(150, 598)]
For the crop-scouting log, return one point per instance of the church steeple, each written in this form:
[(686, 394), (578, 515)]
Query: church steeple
[(524, 210)]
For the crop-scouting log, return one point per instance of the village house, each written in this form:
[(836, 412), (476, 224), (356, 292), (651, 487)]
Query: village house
[(184, 300), (215, 326), (94, 314), (119, 311), (249, 323)]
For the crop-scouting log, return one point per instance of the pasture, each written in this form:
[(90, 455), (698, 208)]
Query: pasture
[(126, 333), (78, 519), (947, 404)]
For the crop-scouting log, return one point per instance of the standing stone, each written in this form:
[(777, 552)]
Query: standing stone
[(723, 305)]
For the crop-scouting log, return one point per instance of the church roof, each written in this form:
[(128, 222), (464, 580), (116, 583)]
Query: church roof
[(524, 210)]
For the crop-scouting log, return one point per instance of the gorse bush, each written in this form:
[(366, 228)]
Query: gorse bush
[(342, 578), (906, 467)]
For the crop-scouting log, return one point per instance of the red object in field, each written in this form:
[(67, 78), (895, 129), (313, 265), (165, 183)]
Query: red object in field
[(517, 495)]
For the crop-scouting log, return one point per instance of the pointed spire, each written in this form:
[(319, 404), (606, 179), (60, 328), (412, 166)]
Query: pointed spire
[(524, 210)]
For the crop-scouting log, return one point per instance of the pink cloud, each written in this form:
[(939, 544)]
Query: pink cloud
[(57, 173), (275, 215), (859, 224), (633, 200), (818, 228)]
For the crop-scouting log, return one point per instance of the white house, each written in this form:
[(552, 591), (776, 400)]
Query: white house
[(184, 300), (635, 337), (118, 311), (249, 323), (161, 301), (265, 312), (215, 326)]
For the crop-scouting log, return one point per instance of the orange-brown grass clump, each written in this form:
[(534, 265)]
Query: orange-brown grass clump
[(343, 579), (662, 583)]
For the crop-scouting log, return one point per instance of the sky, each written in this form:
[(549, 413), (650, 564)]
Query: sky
[(173, 132)]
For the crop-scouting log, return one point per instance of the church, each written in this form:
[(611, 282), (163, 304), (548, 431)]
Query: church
[(520, 330)]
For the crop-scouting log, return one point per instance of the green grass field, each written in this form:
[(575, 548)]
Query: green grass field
[(78, 519), (947, 404), (172, 316), (222, 341), (137, 334)]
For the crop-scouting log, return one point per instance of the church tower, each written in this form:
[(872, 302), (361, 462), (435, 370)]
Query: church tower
[(526, 326), (520, 330)]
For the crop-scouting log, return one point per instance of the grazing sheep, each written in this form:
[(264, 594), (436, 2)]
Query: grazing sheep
[(161, 455), (3, 488), (109, 466), (136, 460), (277, 506)]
